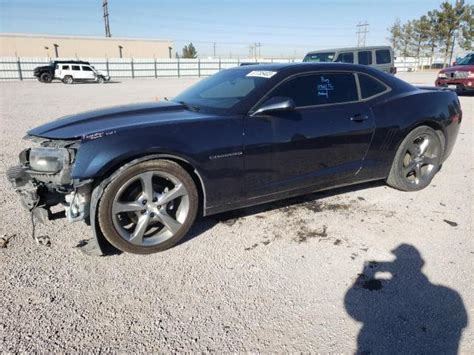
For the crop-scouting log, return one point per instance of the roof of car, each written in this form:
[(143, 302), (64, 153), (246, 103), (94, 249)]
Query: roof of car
[(288, 69), (304, 66), (349, 49)]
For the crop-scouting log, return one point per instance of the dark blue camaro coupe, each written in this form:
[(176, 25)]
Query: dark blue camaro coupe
[(140, 174)]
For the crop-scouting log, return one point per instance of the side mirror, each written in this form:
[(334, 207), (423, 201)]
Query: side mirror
[(275, 104)]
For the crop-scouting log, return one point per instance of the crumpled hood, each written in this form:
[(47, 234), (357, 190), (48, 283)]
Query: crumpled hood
[(101, 121)]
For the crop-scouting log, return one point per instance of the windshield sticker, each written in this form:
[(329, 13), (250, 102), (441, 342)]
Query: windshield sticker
[(262, 73), (325, 87)]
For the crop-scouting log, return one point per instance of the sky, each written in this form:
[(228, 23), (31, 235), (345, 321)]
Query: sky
[(283, 27)]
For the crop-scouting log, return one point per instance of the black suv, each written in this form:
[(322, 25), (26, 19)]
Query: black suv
[(45, 73)]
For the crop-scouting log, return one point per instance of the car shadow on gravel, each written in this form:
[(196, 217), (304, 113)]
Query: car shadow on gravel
[(404, 313), (310, 201)]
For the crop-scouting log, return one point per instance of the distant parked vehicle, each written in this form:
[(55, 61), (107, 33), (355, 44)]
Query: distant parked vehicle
[(45, 73), (460, 76), (379, 57), (69, 72)]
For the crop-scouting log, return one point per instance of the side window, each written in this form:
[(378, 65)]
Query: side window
[(65, 67), (383, 56), (319, 89), (369, 86), (365, 57), (86, 68), (347, 57), (76, 67)]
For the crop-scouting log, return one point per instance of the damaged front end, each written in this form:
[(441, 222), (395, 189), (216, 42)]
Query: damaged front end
[(44, 180)]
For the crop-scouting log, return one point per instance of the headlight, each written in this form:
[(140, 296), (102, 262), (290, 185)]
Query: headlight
[(48, 160), (442, 76)]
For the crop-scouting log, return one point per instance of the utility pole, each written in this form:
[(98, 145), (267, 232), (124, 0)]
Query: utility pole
[(259, 47), (362, 30), (105, 5), (251, 47), (214, 49)]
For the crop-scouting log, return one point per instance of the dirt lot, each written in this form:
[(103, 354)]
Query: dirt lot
[(280, 277)]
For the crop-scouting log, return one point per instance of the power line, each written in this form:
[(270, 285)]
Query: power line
[(106, 18), (362, 30)]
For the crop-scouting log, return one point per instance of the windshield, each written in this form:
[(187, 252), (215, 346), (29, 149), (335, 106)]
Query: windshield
[(320, 57), (225, 89), (467, 60)]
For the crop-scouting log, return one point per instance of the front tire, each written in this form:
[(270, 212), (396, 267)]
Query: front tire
[(100, 80), (68, 80), (148, 207), (417, 160)]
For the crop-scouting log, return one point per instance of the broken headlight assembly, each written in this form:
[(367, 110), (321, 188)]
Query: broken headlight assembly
[(49, 159)]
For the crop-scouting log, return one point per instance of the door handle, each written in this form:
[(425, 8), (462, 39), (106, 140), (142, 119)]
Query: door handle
[(359, 117)]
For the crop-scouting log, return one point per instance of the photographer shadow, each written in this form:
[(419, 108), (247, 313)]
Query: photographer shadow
[(404, 313)]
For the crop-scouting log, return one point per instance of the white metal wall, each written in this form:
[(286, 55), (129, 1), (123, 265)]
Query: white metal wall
[(12, 68)]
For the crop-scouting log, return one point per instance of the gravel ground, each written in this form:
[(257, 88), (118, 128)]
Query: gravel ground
[(276, 278)]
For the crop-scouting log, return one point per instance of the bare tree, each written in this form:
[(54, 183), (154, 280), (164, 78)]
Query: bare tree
[(395, 35)]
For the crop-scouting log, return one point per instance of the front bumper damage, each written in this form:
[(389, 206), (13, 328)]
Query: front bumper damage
[(38, 195), (49, 196)]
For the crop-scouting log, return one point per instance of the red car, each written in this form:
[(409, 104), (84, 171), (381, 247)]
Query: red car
[(460, 76)]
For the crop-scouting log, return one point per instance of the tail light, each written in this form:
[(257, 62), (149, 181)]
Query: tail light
[(456, 117)]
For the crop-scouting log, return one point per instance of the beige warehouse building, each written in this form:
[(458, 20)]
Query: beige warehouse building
[(31, 45)]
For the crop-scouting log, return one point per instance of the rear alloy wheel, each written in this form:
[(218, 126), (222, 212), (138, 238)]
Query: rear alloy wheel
[(417, 160), (148, 207), (68, 80)]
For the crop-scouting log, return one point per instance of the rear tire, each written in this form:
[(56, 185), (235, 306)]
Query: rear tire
[(148, 207), (45, 78), (68, 80), (417, 160)]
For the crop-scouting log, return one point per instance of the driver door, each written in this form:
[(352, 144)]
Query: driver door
[(87, 73), (323, 140)]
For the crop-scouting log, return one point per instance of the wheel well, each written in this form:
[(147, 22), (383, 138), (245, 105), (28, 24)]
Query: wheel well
[(181, 162)]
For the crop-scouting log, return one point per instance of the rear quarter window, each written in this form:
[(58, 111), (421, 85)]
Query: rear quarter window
[(370, 86), (65, 67), (383, 56)]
